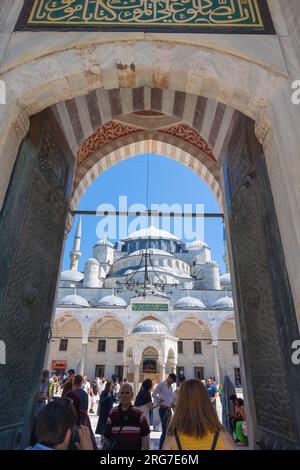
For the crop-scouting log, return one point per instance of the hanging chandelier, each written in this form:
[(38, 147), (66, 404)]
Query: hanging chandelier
[(154, 285)]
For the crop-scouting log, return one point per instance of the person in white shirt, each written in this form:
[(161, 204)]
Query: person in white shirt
[(165, 394), (101, 381)]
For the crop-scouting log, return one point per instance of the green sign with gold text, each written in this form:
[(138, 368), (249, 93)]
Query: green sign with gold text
[(148, 15), (150, 307)]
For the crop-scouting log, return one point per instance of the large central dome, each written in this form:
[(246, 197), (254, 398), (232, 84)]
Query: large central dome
[(151, 232)]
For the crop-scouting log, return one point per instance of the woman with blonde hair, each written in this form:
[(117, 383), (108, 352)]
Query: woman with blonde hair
[(195, 424)]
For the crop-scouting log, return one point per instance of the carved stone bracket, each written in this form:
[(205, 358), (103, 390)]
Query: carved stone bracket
[(69, 224), (262, 127), (257, 108), (21, 125)]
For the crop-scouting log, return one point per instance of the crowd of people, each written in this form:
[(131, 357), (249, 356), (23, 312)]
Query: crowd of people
[(186, 408)]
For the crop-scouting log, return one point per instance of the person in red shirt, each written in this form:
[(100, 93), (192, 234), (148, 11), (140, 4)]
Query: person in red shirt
[(126, 426)]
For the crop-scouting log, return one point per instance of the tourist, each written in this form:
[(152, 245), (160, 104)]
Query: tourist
[(44, 392), (164, 393), (93, 395), (86, 384), (126, 427), (53, 382), (144, 400), (105, 405), (55, 426), (212, 391), (181, 379), (77, 387), (234, 416), (68, 382), (115, 387), (82, 416), (241, 425), (195, 424), (101, 384)]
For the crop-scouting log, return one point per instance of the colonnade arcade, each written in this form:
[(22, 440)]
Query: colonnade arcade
[(160, 350)]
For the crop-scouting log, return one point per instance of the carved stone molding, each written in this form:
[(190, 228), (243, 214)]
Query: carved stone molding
[(262, 127), (69, 224), (21, 125)]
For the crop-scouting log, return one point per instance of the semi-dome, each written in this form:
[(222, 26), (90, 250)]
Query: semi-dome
[(150, 326), (75, 300), (71, 275), (225, 303), (111, 301), (225, 279), (189, 302), (151, 232), (104, 242), (196, 245)]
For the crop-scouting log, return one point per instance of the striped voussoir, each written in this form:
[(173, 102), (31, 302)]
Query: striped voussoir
[(99, 140)]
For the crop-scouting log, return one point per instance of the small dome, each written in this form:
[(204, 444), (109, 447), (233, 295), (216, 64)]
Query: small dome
[(153, 327), (225, 279), (111, 301), (211, 263), (189, 302), (75, 300), (93, 261), (104, 242), (151, 232), (225, 303), (196, 245), (71, 275)]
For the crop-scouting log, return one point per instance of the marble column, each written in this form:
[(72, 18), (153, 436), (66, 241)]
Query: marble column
[(216, 361), (162, 372), (83, 358), (125, 373), (136, 379)]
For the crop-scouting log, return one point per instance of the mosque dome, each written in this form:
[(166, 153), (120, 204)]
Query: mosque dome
[(225, 279), (196, 245), (111, 301), (104, 242), (150, 326), (71, 275), (225, 303), (189, 302), (75, 300), (151, 232)]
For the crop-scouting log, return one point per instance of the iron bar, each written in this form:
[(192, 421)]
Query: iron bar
[(149, 214)]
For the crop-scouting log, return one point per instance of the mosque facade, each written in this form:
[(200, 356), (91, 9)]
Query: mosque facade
[(143, 307)]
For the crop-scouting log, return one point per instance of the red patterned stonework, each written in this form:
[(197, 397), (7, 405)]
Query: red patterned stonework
[(104, 135), (186, 133)]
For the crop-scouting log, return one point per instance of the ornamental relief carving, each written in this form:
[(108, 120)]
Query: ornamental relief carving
[(114, 130), (104, 135)]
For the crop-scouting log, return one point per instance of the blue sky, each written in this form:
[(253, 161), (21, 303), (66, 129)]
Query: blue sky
[(169, 182)]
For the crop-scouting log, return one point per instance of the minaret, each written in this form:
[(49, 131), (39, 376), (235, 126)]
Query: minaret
[(225, 256), (75, 253)]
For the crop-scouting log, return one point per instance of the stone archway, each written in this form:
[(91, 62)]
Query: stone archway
[(66, 341), (248, 198)]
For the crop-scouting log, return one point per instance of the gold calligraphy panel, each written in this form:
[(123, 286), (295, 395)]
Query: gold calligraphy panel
[(164, 15)]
